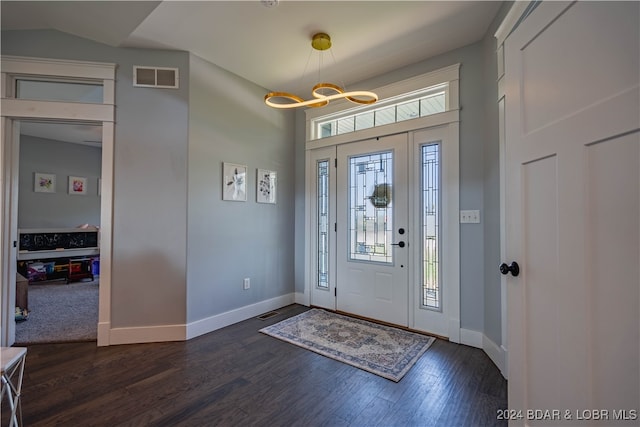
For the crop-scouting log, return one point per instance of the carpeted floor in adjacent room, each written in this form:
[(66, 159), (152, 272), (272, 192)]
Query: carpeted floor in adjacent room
[(60, 313)]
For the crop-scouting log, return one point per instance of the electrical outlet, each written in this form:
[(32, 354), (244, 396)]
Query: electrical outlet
[(246, 284), (470, 217)]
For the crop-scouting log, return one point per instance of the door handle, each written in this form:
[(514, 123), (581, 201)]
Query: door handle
[(514, 269), (400, 243)]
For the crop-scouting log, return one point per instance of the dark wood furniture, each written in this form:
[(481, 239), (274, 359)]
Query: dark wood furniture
[(22, 292)]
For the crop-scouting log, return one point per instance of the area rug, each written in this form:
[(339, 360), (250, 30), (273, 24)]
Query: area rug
[(382, 350)]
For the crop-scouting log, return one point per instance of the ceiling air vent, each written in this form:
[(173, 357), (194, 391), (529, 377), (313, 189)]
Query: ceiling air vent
[(155, 77)]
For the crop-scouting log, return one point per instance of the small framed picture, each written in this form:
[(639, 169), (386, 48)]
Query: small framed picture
[(44, 183), (77, 185), (234, 182), (266, 184)]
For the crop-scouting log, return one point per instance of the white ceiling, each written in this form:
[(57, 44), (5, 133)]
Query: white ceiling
[(270, 46)]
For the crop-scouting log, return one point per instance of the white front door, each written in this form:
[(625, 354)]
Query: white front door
[(372, 229), (573, 213)]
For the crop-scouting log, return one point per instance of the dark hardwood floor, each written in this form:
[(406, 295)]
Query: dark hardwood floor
[(237, 376)]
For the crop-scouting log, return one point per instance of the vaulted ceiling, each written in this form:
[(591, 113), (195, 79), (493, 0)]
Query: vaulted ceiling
[(268, 42), (270, 46)]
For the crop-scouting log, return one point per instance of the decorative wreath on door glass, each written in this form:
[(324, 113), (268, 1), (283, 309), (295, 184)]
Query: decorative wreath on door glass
[(381, 196)]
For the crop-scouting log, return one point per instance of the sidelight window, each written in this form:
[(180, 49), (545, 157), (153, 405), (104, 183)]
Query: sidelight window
[(323, 224), (430, 195)]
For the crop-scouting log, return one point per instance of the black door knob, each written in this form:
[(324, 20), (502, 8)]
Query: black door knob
[(400, 243), (514, 269)]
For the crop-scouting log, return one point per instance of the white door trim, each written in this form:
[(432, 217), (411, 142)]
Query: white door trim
[(13, 110)]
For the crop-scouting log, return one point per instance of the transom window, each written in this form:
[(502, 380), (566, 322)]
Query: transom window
[(425, 102), (54, 90)]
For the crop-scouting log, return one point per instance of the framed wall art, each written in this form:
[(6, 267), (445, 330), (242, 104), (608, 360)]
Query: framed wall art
[(44, 183), (77, 185), (234, 182), (266, 184)]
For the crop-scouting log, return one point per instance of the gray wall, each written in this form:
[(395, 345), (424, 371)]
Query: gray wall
[(62, 159), (228, 241), (150, 173)]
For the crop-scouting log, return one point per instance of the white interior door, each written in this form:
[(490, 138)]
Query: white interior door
[(372, 224), (573, 212)]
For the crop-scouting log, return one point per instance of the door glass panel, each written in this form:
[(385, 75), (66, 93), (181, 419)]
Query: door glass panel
[(371, 208), (90, 93), (430, 191), (323, 224)]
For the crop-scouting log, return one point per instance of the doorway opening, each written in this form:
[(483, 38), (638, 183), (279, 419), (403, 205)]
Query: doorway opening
[(58, 260), (55, 91)]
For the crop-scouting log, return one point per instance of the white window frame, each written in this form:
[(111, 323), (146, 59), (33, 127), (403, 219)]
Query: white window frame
[(448, 75)]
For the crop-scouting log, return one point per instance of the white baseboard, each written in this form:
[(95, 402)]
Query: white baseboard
[(455, 333), (302, 299), (210, 324), (505, 367), (165, 333), (103, 333), (471, 338), (496, 353), (144, 334)]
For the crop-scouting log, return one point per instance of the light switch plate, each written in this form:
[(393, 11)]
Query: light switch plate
[(470, 217)]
